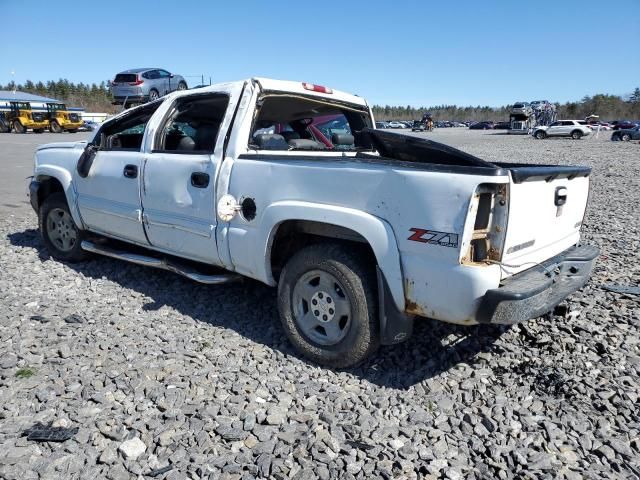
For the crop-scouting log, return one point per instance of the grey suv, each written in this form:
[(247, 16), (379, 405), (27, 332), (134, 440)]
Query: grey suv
[(140, 85)]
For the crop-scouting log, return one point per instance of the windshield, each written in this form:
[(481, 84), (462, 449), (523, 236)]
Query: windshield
[(22, 105), (57, 106)]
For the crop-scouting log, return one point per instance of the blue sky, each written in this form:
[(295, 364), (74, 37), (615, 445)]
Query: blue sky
[(464, 52)]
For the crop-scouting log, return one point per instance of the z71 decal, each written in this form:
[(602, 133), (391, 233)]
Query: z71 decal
[(435, 238)]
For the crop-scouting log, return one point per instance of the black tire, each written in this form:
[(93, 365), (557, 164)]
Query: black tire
[(56, 234), (540, 135), (182, 86), (626, 137), (55, 127), (153, 95), (18, 127), (576, 134), (356, 285), (4, 127)]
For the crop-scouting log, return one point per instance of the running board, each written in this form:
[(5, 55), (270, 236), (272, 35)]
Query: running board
[(160, 263)]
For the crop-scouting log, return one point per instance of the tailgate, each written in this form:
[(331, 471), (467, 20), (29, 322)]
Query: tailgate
[(546, 208)]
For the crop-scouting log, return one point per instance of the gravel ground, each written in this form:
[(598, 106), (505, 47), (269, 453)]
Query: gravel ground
[(167, 377)]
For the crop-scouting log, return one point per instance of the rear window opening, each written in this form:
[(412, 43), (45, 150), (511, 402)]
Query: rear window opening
[(125, 77), (296, 122)]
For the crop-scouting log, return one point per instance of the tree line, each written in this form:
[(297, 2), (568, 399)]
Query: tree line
[(92, 97), (97, 98), (608, 107)]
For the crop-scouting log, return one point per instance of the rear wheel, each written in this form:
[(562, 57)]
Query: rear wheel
[(327, 304), (576, 134), (626, 137), (59, 232), (18, 127), (55, 127), (153, 95), (540, 134)]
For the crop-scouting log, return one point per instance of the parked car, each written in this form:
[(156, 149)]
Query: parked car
[(575, 129), (418, 126), (89, 125), (482, 126), (396, 125), (502, 126), (623, 125), (599, 126), (521, 108), (140, 85), (353, 266), (382, 125), (626, 134)]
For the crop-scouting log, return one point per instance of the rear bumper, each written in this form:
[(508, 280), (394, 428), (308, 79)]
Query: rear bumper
[(130, 99), (538, 290)]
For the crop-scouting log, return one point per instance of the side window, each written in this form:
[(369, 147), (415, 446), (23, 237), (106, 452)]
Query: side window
[(152, 74), (554, 124), (163, 74), (193, 124), (126, 132), (567, 123)]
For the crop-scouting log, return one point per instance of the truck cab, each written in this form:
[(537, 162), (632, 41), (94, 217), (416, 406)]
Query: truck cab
[(61, 119)]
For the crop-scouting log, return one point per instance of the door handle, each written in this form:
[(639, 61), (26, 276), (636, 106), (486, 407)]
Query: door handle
[(130, 171), (200, 179)]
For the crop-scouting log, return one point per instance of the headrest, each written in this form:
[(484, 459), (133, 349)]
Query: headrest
[(305, 144), (342, 139), (291, 135), (186, 143), (271, 141)]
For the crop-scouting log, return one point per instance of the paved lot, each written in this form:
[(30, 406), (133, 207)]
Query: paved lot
[(158, 372)]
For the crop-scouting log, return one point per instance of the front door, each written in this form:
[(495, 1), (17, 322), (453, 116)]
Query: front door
[(108, 195), (178, 189)]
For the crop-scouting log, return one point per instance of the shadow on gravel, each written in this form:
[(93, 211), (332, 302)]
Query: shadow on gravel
[(434, 347)]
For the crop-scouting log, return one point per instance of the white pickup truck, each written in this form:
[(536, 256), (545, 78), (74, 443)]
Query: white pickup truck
[(288, 183)]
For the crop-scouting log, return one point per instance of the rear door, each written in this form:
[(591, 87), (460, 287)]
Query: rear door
[(178, 190), (545, 214)]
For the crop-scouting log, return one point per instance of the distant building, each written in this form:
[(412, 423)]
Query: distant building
[(37, 102)]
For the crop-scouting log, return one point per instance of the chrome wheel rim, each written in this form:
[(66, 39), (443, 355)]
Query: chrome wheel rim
[(321, 308), (61, 230), (181, 86), (153, 95)]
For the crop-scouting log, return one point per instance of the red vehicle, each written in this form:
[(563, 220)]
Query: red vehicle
[(623, 125)]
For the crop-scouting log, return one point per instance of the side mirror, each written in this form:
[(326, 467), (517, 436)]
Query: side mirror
[(171, 75), (86, 160)]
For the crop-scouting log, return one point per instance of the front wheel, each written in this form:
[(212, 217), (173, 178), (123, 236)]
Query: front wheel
[(182, 86), (576, 134), (540, 135), (55, 127), (59, 232), (327, 304), (18, 127), (626, 137)]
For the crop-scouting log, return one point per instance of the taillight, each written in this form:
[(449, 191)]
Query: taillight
[(138, 81), (316, 88)]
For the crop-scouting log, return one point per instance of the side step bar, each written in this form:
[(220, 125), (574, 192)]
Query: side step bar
[(160, 263)]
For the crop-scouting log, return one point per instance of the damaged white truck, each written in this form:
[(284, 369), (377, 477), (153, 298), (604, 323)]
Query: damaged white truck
[(289, 183)]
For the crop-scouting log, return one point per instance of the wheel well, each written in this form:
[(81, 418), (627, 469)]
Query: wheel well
[(48, 185), (293, 235)]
